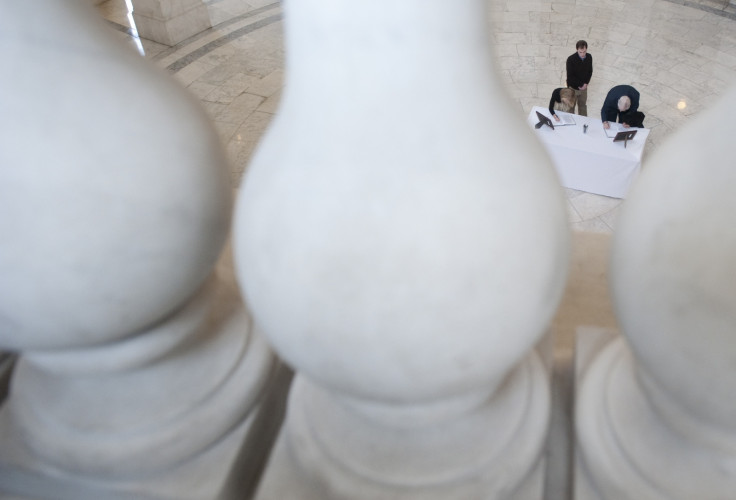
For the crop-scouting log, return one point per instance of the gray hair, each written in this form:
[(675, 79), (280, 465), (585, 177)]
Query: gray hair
[(624, 103)]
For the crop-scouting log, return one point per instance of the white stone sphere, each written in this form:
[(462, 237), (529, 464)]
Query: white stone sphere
[(399, 238), (114, 191), (674, 275)]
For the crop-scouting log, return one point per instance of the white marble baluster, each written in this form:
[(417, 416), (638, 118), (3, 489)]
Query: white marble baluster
[(139, 370), (170, 21), (402, 241), (656, 416)]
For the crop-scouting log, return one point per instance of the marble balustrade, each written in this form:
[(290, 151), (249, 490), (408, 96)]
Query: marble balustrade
[(403, 252)]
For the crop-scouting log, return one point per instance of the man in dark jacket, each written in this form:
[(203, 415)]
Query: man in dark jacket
[(621, 101), (579, 68)]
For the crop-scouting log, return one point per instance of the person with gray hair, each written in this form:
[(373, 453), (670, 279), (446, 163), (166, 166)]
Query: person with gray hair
[(621, 101)]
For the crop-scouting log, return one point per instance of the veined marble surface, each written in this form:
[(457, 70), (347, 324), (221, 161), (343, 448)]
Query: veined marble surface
[(680, 54)]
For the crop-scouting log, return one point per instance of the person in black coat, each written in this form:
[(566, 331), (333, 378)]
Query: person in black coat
[(579, 67), (621, 102), (562, 100)]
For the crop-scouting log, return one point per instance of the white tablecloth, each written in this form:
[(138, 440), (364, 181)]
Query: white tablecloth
[(591, 161)]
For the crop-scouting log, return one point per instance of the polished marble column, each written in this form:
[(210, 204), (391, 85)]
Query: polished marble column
[(402, 241), (139, 370), (656, 418), (170, 21)]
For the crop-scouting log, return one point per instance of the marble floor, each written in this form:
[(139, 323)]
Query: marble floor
[(680, 54)]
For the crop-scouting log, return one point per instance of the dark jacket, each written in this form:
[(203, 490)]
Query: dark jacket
[(555, 99), (609, 111), (579, 71)]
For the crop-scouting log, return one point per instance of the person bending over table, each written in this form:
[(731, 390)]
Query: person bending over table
[(562, 100), (621, 100)]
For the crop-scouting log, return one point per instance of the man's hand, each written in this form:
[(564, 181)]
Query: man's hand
[(606, 125), (585, 86), (626, 125), (557, 118)]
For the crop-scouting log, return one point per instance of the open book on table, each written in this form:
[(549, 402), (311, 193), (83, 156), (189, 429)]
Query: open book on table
[(565, 119), (615, 128)]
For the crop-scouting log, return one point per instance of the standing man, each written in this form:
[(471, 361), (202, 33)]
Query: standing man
[(579, 71)]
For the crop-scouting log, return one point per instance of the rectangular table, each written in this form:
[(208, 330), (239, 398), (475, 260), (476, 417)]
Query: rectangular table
[(591, 161)]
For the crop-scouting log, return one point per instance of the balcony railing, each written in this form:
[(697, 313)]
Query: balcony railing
[(399, 251)]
